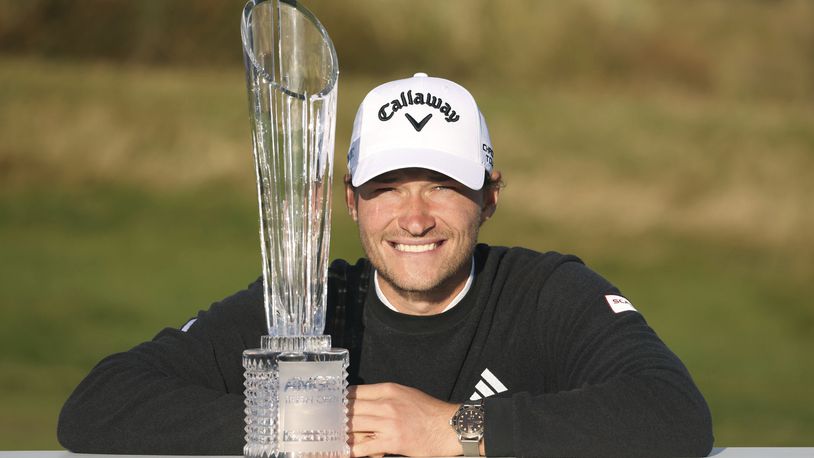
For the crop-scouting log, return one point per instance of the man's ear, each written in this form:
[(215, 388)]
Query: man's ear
[(350, 198), (491, 192)]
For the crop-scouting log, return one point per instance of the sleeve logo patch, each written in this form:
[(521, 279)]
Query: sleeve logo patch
[(619, 304)]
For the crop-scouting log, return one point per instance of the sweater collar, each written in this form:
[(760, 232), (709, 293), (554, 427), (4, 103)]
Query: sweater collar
[(458, 297)]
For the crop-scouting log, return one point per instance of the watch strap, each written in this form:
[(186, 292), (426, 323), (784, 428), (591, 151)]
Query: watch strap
[(471, 447)]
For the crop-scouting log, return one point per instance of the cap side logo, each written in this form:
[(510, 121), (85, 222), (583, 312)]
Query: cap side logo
[(487, 157), (418, 125)]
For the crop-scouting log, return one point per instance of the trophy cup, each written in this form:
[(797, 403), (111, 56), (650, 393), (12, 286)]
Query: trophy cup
[(295, 382)]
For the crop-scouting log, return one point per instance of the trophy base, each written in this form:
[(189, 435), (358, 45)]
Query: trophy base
[(296, 398), (295, 343), (262, 452)]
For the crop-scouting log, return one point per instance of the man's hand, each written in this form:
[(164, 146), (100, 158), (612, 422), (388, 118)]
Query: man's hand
[(395, 419)]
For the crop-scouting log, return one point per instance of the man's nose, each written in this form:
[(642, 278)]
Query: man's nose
[(416, 218)]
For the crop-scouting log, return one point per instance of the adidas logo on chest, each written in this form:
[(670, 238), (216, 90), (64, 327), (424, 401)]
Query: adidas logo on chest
[(488, 385)]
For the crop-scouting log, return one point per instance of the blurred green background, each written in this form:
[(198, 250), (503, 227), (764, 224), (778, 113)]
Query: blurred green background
[(670, 144)]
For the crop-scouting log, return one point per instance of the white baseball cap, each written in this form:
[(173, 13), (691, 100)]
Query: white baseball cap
[(424, 122)]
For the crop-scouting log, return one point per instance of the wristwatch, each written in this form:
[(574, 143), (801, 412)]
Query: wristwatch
[(468, 423)]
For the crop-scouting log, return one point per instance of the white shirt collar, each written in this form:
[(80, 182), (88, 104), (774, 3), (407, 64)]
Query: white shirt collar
[(453, 303)]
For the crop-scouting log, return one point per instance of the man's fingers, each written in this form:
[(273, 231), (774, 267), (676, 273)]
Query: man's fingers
[(368, 444), (373, 391), (374, 424), (366, 423), (371, 408), (361, 437), (366, 449)]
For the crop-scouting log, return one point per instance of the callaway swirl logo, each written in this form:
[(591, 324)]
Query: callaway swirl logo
[(405, 99)]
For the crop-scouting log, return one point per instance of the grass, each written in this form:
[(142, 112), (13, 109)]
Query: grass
[(89, 278), (127, 204)]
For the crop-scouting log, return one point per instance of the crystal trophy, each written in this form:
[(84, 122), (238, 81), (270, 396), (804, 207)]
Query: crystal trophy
[(295, 386)]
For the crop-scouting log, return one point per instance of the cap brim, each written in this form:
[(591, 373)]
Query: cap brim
[(462, 170)]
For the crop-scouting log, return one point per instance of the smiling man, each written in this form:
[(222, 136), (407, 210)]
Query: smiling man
[(456, 347), (419, 229)]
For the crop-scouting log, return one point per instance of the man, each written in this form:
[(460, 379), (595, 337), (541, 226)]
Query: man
[(455, 347)]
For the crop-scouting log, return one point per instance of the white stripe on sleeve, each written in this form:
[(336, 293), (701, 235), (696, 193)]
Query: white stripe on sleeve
[(189, 324)]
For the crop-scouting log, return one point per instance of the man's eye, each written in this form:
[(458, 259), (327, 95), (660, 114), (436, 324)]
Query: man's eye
[(443, 187)]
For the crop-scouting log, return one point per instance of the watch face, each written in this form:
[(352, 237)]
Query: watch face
[(469, 421)]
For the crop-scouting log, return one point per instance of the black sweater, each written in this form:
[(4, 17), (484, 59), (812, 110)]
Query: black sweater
[(562, 373)]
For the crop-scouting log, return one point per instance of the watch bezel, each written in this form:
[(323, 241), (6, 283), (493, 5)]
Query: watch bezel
[(465, 425)]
